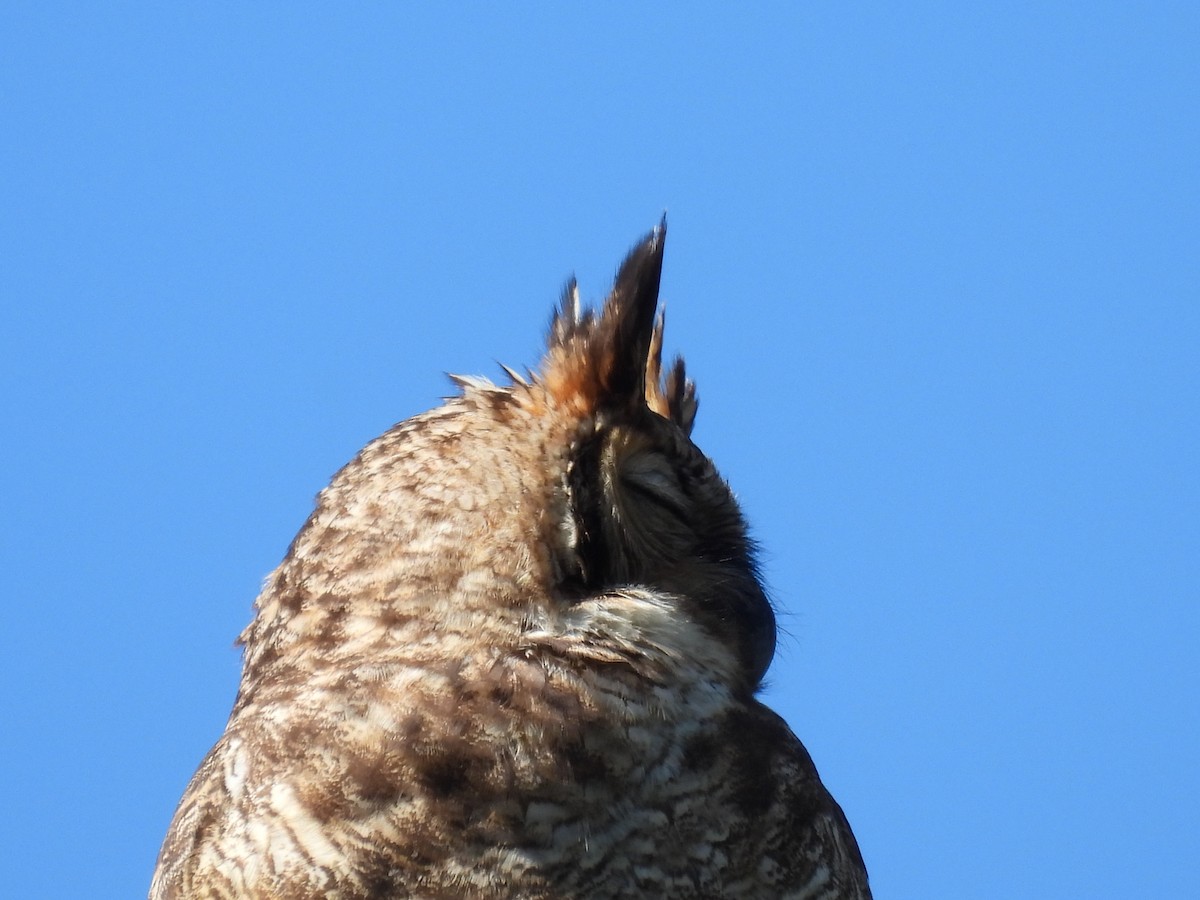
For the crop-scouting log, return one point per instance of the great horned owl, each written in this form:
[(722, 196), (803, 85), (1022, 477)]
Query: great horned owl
[(513, 654)]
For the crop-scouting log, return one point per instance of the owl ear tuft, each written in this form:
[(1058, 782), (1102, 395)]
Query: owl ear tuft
[(627, 325), (602, 359), (673, 396)]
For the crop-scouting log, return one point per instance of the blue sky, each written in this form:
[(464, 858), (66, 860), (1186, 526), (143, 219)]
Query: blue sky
[(935, 270)]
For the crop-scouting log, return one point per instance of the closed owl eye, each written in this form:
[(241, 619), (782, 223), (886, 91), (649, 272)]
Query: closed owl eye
[(651, 476)]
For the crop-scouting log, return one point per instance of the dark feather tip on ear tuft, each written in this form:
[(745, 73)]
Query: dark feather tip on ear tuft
[(629, 312)]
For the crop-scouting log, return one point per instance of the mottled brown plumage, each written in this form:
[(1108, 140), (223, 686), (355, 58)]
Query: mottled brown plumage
[(513, 654)]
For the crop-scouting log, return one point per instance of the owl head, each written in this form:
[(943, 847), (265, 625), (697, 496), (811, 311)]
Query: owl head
[(569, 504)]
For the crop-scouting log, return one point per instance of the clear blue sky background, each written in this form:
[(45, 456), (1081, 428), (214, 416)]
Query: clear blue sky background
[(935, 269)]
